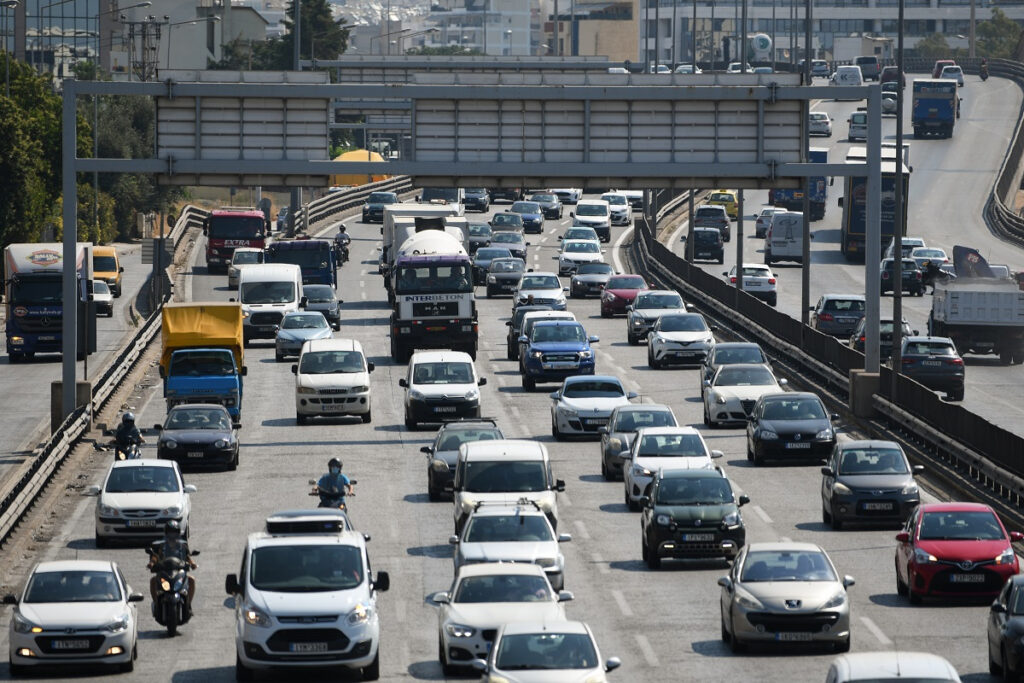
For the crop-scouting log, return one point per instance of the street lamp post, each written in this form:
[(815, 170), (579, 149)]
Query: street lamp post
[(8, 5), (190, 22)]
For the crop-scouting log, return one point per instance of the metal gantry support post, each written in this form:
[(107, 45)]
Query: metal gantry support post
[(739, 245), (805, 275), (873, 230), (69, 318)]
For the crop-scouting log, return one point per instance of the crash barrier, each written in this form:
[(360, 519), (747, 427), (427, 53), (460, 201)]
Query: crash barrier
[(1000, 216), (335, 202)]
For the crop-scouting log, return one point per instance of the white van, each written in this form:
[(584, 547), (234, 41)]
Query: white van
[(847, 75), (785, 239), (858, 125), (267, 291)]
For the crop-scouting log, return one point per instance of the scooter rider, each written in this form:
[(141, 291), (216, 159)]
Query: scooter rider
[(341, 242), (127, 433), (984, 68), (173, 546), (333, 486)]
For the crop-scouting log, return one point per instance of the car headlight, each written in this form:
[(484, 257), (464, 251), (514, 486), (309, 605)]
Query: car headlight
[(746, 600), (731, 519), (640, 471), (536, 354), (417, 395), (255, 617), (460, 631), (721, 400), (306, 391), (360, 614), (910, 490), (637, 322), (924, 557), (586, 354), (117, 625), (472, 394), (767, 435), (170, 443), (107, 511), (663, 520), (221, 443), (836, 600), (568, 412), (547, 562), (491, 279), (824, 434), (171, 512), (23, 625), (1007, 557), (361, 389), (841, 489)]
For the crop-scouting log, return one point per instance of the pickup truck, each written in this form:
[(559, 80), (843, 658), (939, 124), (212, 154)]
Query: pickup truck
[(555, 350)]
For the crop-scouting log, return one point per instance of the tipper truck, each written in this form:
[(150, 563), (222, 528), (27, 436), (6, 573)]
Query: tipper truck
[(981, 316), (203, 356)]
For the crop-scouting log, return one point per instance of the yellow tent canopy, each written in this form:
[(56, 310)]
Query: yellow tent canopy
[(360, 179)]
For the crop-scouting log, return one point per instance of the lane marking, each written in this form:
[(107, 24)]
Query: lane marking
[(581, 529), (876, 632), (616, 262), (761, 513), (785, 539), (646, 649), (363, 294), (362, 283), (602, 566), (620, 600)]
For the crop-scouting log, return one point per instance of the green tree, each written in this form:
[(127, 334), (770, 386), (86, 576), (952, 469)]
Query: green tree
[(998, 36), (933, 47)]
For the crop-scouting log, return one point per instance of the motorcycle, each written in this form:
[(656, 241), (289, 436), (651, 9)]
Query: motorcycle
[(341, 243), (170, 609), (932, 275), (984, 73), (330, 499), (129, 452)]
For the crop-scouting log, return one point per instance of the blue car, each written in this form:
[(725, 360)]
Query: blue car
[(556, 349), (532, 213)]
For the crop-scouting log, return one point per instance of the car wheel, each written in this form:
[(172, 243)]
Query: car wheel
[(758, 459), (726, 637), (233, 465), (372, 672), (826, 516), (301, 419), (367, 417), (528, 383), (651, 362), (102, 542), (606, 474), (410, 424), (735, 645), (843, 645), (994, 668), (446, 668), (242, 672), (901, 588), (633, 341), (837, 524), (279, 358), (1009, 675), (554, 431), (653, 561), (915, 598), (772, 300), (605, 313), (509, 354)]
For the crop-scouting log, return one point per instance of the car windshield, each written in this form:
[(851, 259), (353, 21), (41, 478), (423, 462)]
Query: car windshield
[(242, 257), (844, 305), (721, 197), (267, 292), (966, 525), (104, 264), (582, 248), (318, 294), (507, 238), (507, 219), (73, 586), (141, 480), (632, 420), (483, 476), (508, 529), (787, 565), (476, 190), (306, 568), (924, 252), (872, 461), (304, 321), (558, 333), (197, 418), (711, 236), (709, 212), (488, 253), (886, 326), (730, 376), (628, 282), (591, 210), (381, 198), (201, 364), (818, 116), (525, 207), (615, 199), (580, 234), (540, 282), (658, 301), (682, 323), (690, 491), (544, 198), (439, 278), (545, 651), (754, 272), (503, 588), (479, 230), (453, 438), (794, 409), (734, 356), (443, 372), (100, 287), (331, 362), (593, 388), (507, 265), (929, 348), (1018, 603), (594, 269), (671, 446)]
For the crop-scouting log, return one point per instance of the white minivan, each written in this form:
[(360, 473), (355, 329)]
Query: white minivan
[(848, 74), (267, 291), (785, 238), (858, 125)]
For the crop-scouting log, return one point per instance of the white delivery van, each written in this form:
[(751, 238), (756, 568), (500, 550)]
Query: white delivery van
[(847, 75), (858, 125), (267, 291), (785, 239)]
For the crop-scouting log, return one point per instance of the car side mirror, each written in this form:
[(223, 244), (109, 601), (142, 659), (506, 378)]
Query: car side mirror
[(564, 538), (441, 598), (136, 597), (997, 607), (523, 339), (644, 501), (1016, 536), (903, 537), (553, 395), (848, 581), (707, 383), (833, 416), (383, 582), (743, 500), (303, 302), (827, 471), (593, 339), (482, 381), (565, 596), (631, 395), (717, 454), (612, 664), (190, 488), (603, 429), (629, 307), (231, 586), (479, 665), (295, 369), (453, 539), (559, 485), (9, 599), (783, 382), (572, 214), (370, 366), (915, 332), (403, 383), (93, 490), (725, 582), (427, 449)]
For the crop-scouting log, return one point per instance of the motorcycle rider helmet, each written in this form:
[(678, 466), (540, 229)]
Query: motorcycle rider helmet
[(172, 528), (128, 418), (334, 462)]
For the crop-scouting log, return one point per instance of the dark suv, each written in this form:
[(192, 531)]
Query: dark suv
[(913, 278), (870, 67), (934, 362), (884, 336), (708, 245), (477, 199), (512, 194)]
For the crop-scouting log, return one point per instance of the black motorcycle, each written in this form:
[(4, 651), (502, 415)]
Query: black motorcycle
[(331, 499), (932, 274), (984, 73), (170, 609), (129, 451), (341, 243)]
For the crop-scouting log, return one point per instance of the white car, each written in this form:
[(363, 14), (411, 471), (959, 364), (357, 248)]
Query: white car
[(819, 123), (737, 67), (922, 255), (241, 257), (584, 403), (658, 448), (332, 378), (688, 69), (567, 195), (482, 598), (74, 612), (138, 498), (660, 69), (907, 244), (953, 73), (764, 219), (540, 289), (575, 253), (891, 666), (102, 298), (440, 386), (511, 533), (596, 214), (758, 281), (536, 652), (647, 308), (618, 205), (679, 338), (731, 394)]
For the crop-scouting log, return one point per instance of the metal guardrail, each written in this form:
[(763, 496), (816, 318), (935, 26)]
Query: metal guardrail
[(1001, 218), (336, 202)]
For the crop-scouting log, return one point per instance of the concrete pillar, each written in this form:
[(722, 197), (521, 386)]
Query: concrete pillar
[(83, 396)]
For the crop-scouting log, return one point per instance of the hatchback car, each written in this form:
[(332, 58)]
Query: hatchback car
[(1005, 626), (506, 221), (729, 396), (679, 339), (549, 203), (540, 288), (885, 330), (708, 245), (529, 652), (819, 123), (240, 258), (373, 208), (709, 216), (440, 386), (297, 328), (648, 306), (503, 276), (758, 281), (567, 195), (482, 261), (479, 236), (619, 293), (332, 379), (731, 353), (198, 435), (890, 667), (954, 550), (788, 426), (590, 278), (687, 69), (953, 73), (891, 74), (575, 253), (868, 481), (658, 448), (579, 232), (102, 298), (838, 314), (935, 363), (583, 404), (443, 453), (515, 242), (763, 223), (726, 198), (912, 277), (594, 213), (477, 199), (532, 213), (322, 298), (622, 428), (907, 244), (622, 212)]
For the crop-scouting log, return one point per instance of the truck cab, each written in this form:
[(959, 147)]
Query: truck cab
[(315, 259)]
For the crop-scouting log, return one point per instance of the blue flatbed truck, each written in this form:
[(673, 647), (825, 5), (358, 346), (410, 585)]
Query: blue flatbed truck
[(793, 199), (935, 107)]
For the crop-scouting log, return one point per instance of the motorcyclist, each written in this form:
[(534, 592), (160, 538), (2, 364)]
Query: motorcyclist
[(341, 242), (333, 486), (173, 546), (127, 433), (984, 68), (932, 274)]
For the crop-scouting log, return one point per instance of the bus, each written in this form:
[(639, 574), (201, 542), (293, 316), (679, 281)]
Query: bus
[(229, 227), (854, 202)]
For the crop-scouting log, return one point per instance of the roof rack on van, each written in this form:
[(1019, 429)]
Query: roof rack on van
[(319, 521), (521, 501), (237, 208)]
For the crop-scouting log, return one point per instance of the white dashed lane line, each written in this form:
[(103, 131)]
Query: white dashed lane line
[(876, 632), (646, 649), (581, 530), (620, 600), (761, 513)]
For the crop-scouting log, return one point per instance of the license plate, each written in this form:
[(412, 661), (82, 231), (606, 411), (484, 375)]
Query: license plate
[(195, 454), (698, 537), (702, 254), (878, 506), (444, 409), (794, 636), (798, 446), (846, 321), (141, 522), (559, 366), (596, 421), (967, 578), (308, 647), (48, 337), (931, 363), (70, 644)]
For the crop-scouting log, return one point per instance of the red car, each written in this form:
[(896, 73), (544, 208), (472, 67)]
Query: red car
[(619, 293), (954, 549)]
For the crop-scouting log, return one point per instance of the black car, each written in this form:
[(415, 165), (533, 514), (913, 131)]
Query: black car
[(868, 481), (935, 363), (617, 436), (479, 236), (913, 278), (515, 327), (512, 194), (198, 435), (373, 209), (482, 261), (731, 353), (513, 241), (503, 276), (550, 204), (590, 278), (1006, 631), (477, 199), (885, 328), (445, 449), (708, 245), (691, 514), (791, 425)]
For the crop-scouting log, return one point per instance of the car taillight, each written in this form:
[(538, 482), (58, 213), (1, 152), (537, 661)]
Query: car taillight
[(954, 361), (771, 281), (732, 280), (908, 361), (827, 317), (917, 275), (862, 337), (885, 275)]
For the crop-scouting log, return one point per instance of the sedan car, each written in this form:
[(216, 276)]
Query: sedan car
[(868, 481), (501, 222), (912, 277), (532, 213), (764, 219), (657, 448), (935, 363), (477, 199), (584, 403), (838, 314), (102, 298), (619, 293), (74, 613), (322, 298), (954, 73), (758, 281), (580, 232), (373, 208), (575, 253), (819, 123), (1006, 631), (443, 453), (954, 550), (784, 593), (790, 425), (511, 240), (729, 397), (531, 652), (647, 307), (885, 330), (925, 255), (482, 261), (891, 667), (590, 278), (479, 236), (332, 379), (503, 276), (568, 195), (198, 435), (482, 598), (679, 338), (622, 428), (540, 289), (297, 328), (137, 498), (687, 69), (731, 353), (550, 204)]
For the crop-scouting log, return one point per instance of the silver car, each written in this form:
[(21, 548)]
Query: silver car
[(838, 314), (297, 328), (645, 310), (323, 299), (622, 428), (785, 593), (590, 278)]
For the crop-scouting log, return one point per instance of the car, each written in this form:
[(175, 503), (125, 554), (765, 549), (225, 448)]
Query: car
[(482, 261), (532, 213), (762, 70), (764, 219), (907, 245), (527, 325), (440, 386), (782, 593), (858, 125), (443, 453), (297, 328), (514, 241), (660, 69), (737, 67), (137, 498), (527, 652), (838, 314), (708, 245), (102, 298), (870, 66), (645, 310), (726, 198), (1005, 624), (619, 292), (482, 597), (913, 278), (503, 276), (596, 214), (953, 73), (730, 353), (954, 550), (282, 218), (891, 666), (567, 195), (478, 199), (575, 253), (373, 208), (549, 203), (679, 338), (479, 236), (622, 427), (687, 69), (555, 350), (241, 257), (506, 221), (891, 74), (925, 255), (515, 326), (847, 74), (590, 278), (935, 363), (819, 68), (332, 379), (540, 288), (583, 404), (656, 449), (790, 425), (730, 396), (691, 514), (758, 281), (868, 481), (890, 98), (323, 298), (512, 194), (198, 435), (621, 210), (940, 64), (885, 330), (579, 232), (73, 613)]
